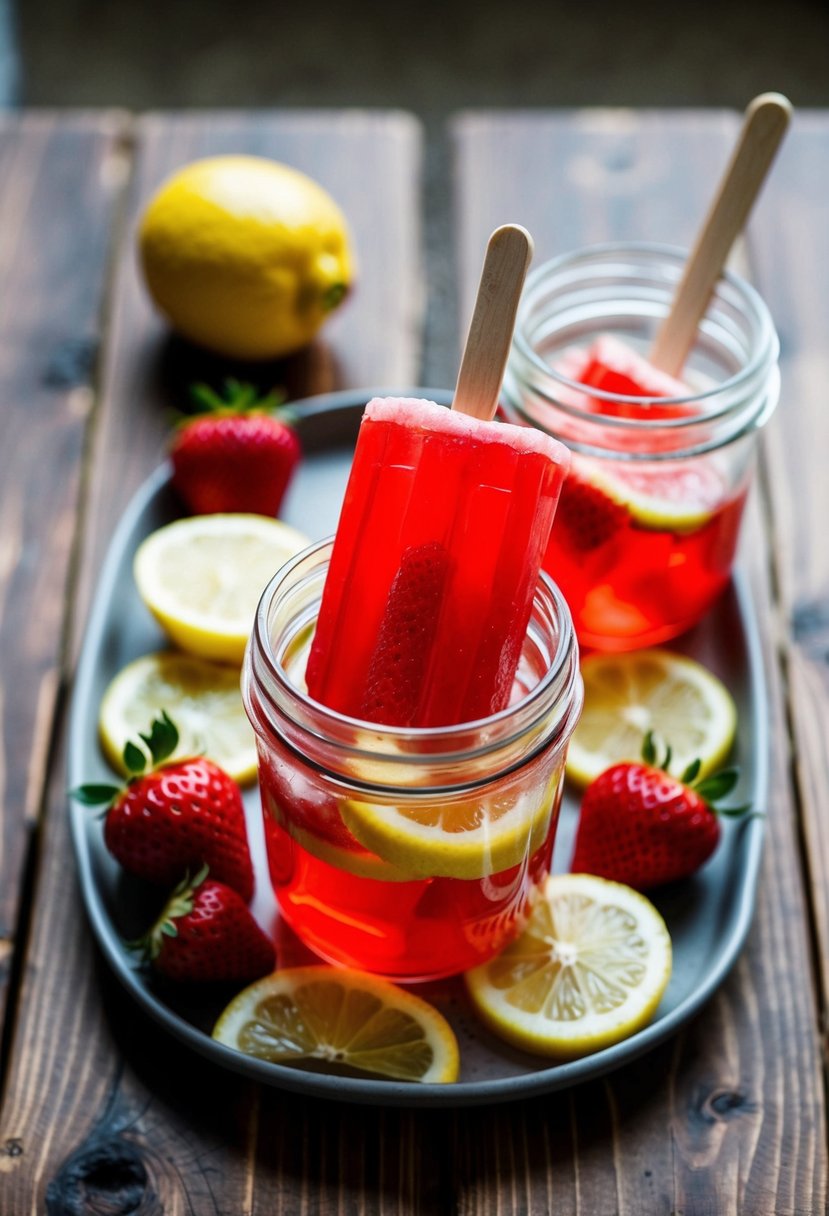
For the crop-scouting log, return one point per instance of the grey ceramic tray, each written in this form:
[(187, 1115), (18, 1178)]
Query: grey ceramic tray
[(708, 915)]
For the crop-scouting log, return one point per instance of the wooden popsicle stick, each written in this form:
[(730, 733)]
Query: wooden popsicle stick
[(764, 125), (508, 255)]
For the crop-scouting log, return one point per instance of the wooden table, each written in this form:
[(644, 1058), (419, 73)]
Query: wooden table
[(101, 1113)]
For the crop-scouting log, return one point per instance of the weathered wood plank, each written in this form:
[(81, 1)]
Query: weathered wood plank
[(716, 1121), (103, 1111), (100, 1104), (789, 244), (56, 200), (581, 178)]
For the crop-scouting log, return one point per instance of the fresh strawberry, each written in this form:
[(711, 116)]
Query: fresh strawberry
[(206, 934), (174, 816), (238, 456), (641, 826), (587, 517), (399, 662)]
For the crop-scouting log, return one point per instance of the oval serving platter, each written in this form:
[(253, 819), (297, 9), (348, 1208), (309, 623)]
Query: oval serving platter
[(708, 915)]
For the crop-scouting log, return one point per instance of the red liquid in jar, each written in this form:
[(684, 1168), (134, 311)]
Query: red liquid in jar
[(404, 930), (630, 585)]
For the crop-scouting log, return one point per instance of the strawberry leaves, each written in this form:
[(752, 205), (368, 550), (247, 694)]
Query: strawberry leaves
[(93, 794), (711, 789), (692, 772), (649, 753), (161, 741), (717, 786), (236, 397), (179, 904)]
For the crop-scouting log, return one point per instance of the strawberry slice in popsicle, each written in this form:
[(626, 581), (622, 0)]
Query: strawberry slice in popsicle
[(398, 664)]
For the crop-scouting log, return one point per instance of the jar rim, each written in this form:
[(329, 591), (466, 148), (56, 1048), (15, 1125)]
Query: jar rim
[(529, 709), (765, 354)]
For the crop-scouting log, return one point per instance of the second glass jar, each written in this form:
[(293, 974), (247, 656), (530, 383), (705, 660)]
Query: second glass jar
[(649, 518)]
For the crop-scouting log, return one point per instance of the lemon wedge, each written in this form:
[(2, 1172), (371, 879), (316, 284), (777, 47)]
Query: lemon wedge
[(347, 1021), (202, 698), (674, 497), (202, 577), (627, 695), (467, 838), (588, 971)]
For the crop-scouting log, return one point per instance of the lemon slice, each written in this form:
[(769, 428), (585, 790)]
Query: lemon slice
[(202, 577), (352, 861), (349, 1022), (202, 698), (680, 497), (588, 971), (355, 861), (626, 695), (472, 838)]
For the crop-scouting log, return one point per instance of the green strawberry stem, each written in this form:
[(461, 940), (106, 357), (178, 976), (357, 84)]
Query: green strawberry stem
[(692, 772), (712, 789), (95, 794), (161, 741), (237, 397), (334, 295), (179, 904)]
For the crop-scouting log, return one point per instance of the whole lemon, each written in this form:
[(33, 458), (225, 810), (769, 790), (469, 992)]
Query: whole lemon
[(244, 255)]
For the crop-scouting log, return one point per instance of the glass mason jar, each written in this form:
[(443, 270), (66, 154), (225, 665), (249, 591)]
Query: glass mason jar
[(648, 521), (412, 853)]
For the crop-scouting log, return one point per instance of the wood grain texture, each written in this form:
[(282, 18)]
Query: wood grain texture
[(56, 202), (102, 1111), (789, 244), (730, 1117), (105, 1113)]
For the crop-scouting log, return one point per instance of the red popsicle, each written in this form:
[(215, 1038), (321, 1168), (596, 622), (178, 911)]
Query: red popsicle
[(444, 525)]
